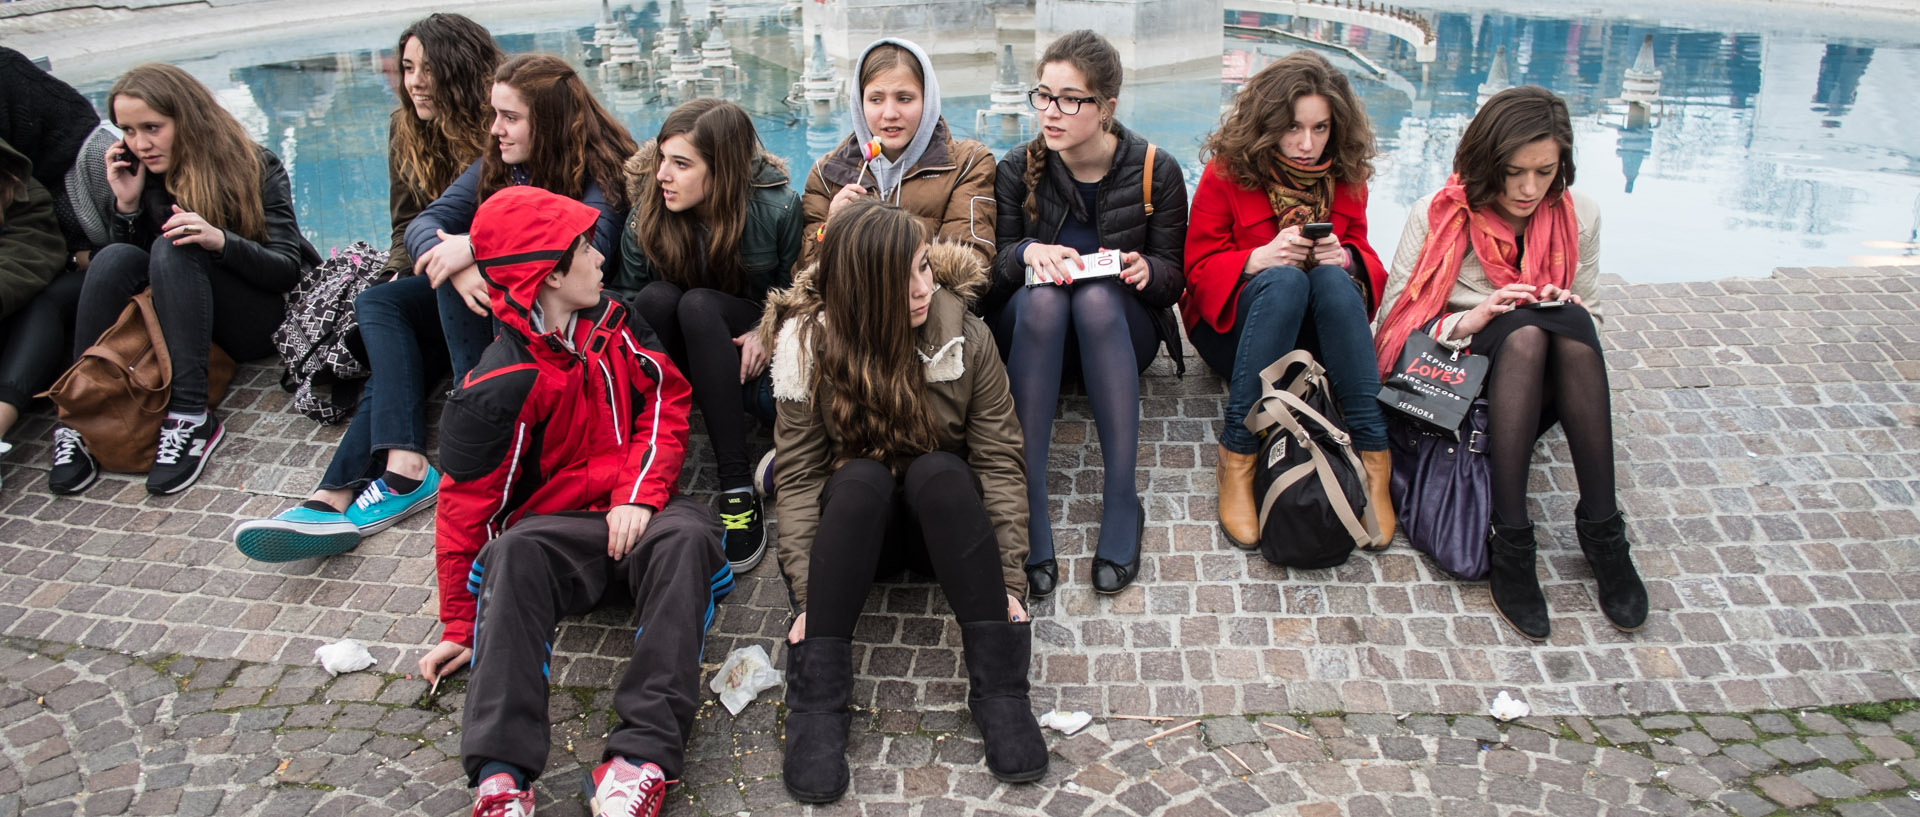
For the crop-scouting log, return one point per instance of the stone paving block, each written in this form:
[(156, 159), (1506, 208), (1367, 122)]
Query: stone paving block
[(1835, 748), (1790, 751), (1829, 783), (1725, 728)]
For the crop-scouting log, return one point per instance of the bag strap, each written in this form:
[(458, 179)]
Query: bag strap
[(1361, 531), (1146, 180)]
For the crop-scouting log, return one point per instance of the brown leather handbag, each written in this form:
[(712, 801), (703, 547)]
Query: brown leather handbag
[(116, 394)]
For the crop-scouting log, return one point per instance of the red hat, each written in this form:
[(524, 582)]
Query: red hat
[(518, 235)]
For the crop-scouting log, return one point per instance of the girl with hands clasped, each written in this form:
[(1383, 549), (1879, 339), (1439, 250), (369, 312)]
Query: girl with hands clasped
[(1506, 256), (379, 474), (896, 447), (204, 217), (946, 182), (715, 226), (1296, 150), (1079, 187)]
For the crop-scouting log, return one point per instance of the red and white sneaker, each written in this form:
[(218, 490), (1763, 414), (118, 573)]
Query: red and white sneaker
[(498, 798), (617, 788)]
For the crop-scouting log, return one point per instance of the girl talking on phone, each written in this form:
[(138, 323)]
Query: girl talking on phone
[(204, 218), (1277, 258)]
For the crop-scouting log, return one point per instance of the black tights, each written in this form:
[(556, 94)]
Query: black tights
[(698, 328), (1535, 371), (1116, 340), (858, 511)]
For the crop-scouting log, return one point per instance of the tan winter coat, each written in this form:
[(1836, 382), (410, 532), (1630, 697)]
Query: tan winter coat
[(966, 390), (950, 189)]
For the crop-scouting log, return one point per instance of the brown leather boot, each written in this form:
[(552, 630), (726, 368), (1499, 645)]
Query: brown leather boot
[(1239, 515), (1379, 466)]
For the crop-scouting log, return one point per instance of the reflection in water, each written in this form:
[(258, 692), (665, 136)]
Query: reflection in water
[(1754, 150)]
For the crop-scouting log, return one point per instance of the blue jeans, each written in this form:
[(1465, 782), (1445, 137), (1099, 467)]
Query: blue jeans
[(1274, 306), (408, 343)]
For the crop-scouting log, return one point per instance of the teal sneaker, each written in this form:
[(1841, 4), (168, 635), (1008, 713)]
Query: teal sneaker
[(379, 508), (297, 533)]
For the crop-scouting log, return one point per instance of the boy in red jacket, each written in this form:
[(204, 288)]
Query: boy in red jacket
[(561, 451)]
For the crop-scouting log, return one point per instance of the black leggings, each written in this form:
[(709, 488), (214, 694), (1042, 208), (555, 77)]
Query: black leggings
[(860, 535), (698, 328), (36, 342), (198, 302), (1538, 378)]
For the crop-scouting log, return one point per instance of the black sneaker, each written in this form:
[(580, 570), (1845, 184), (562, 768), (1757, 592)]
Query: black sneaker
[(73, 465), (746, 536), (184, 450)]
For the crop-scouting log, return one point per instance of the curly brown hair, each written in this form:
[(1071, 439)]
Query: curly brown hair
[(461, 57), (1248, 140)]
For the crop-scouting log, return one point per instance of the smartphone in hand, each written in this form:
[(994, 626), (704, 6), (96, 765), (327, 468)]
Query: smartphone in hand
[(1316, 231)]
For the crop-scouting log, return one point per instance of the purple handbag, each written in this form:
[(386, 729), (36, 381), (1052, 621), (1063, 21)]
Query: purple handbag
[(1440, 491)]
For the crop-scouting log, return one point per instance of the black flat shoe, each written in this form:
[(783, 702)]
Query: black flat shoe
[(1041, 579), (1111, 577)]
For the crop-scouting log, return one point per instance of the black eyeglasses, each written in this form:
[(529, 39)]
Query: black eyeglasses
[(1068, 105)]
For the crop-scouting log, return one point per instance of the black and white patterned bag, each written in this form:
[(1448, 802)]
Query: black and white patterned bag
[(320, 340)]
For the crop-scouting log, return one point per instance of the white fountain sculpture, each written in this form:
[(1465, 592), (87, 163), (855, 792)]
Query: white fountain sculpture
[(1007, 102), (716, 57), (685, 79), (1496, 77), (819, 87), (603, 33), (1640, 87)]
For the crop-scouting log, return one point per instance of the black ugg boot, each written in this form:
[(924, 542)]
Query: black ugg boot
[(998, 655), (819, 676), (1516, 590), (1623, 598)]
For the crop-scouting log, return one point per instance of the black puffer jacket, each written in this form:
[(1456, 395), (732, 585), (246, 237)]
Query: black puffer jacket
[(1122, 223)]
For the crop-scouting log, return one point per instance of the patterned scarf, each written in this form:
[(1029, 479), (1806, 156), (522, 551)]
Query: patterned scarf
[(1552, 254), (1301, 194)]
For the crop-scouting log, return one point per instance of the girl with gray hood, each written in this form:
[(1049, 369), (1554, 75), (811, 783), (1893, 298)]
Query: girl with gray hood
[(946, 182)]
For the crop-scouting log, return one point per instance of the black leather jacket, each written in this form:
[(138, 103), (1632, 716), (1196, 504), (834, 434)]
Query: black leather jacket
[(274, 266), (1122, 223)]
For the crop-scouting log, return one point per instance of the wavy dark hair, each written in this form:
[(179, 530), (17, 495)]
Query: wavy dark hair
[(867, 372), (216, 169), (723, 135), (1511, 120), (1097, 61), (575, 141), (461, 56), (1248, 140)]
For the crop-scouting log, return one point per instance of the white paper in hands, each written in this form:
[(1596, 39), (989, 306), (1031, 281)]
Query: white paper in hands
[(1102, 264), (1506, 708), (746, 672), (343, 656)]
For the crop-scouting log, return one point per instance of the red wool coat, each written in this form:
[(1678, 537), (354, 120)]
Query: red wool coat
[(1228, 222)]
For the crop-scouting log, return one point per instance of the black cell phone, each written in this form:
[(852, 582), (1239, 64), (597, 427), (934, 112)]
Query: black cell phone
[(1316, 230)]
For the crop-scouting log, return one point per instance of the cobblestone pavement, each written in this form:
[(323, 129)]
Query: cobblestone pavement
[(1767, 434)]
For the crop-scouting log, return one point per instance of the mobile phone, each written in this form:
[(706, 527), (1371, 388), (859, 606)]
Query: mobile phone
[(1543, 305), (1316, 230)]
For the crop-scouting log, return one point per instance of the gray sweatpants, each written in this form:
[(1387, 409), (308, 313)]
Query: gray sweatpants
[(547, 567)]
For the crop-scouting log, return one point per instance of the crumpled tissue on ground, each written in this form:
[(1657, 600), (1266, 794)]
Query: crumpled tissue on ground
[(1064, 722), (1506, 708), (746, 672), (346, 655)]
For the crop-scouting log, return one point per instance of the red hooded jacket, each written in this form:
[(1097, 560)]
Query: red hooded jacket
[(552, 419), (1228, 222)]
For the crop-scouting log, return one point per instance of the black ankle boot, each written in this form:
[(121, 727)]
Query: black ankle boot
[(1042, 576), (819, 675), (1623, 599), (1516, 590), (998, 654)]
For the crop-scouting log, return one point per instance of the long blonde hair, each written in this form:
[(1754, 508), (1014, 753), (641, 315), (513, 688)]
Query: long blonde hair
[(215, 168), (867, 373), (461, 56)]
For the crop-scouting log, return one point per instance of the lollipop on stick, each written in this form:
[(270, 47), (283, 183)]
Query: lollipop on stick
[(868, 152)]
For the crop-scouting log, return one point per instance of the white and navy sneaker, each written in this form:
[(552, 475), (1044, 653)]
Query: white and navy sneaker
[(184, 449), (73, 466)]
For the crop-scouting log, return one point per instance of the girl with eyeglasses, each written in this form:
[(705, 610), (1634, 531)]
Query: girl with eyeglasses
[(1078, 188)]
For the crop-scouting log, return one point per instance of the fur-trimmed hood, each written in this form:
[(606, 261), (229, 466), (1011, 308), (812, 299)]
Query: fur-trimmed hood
[(768, 170), (961, 280)]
